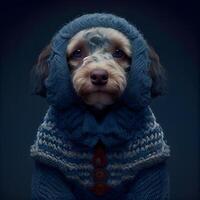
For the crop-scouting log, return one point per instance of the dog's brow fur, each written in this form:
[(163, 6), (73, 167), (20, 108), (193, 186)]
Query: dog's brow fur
[(100, 37)]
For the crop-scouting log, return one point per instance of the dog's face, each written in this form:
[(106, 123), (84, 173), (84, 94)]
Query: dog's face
[(98, 59)]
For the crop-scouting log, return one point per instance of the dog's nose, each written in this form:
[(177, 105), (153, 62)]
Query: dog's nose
[(99, 77)]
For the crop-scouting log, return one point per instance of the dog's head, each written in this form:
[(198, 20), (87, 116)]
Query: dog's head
[(99, 60)]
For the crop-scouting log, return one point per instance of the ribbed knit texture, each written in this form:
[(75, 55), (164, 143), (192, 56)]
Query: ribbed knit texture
[(65, 140), (48, 183), (150, 184)]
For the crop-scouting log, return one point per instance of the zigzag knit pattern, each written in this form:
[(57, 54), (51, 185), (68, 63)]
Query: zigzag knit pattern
[(54, 148)]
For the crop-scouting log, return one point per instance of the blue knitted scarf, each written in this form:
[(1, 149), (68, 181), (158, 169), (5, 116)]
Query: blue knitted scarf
[(133, 138)]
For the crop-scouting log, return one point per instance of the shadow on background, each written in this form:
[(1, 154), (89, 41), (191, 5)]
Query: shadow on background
[(171, 28)]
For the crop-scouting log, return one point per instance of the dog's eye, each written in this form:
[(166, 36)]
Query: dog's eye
[(118, 53), (76, 54)]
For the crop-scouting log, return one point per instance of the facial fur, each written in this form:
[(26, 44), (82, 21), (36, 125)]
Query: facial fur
[(98, 60)]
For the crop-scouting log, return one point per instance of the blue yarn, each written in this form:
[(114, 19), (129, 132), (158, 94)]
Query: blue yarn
[(66, 138)]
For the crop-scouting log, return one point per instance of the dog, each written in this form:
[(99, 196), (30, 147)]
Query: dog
[(99, 61)]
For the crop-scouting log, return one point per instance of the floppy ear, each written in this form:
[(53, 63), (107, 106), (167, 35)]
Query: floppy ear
[(40, 72), (157, 74)]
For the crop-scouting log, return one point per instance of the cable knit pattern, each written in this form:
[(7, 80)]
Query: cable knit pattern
[(65, 141)]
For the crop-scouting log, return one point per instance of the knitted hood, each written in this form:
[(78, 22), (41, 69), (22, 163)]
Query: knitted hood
[(60, 92)]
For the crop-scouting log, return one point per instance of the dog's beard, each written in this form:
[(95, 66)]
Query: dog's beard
[(99, 99), (99, 96)]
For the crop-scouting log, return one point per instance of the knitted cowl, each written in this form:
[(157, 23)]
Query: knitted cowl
[(128, 129)]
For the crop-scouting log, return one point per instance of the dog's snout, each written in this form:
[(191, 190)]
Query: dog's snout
[(99, 77)]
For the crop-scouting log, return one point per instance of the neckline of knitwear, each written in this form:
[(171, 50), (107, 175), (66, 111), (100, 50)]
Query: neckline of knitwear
[(119, 125)]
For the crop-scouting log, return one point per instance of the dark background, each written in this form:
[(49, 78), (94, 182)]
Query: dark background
[(171, 28)]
